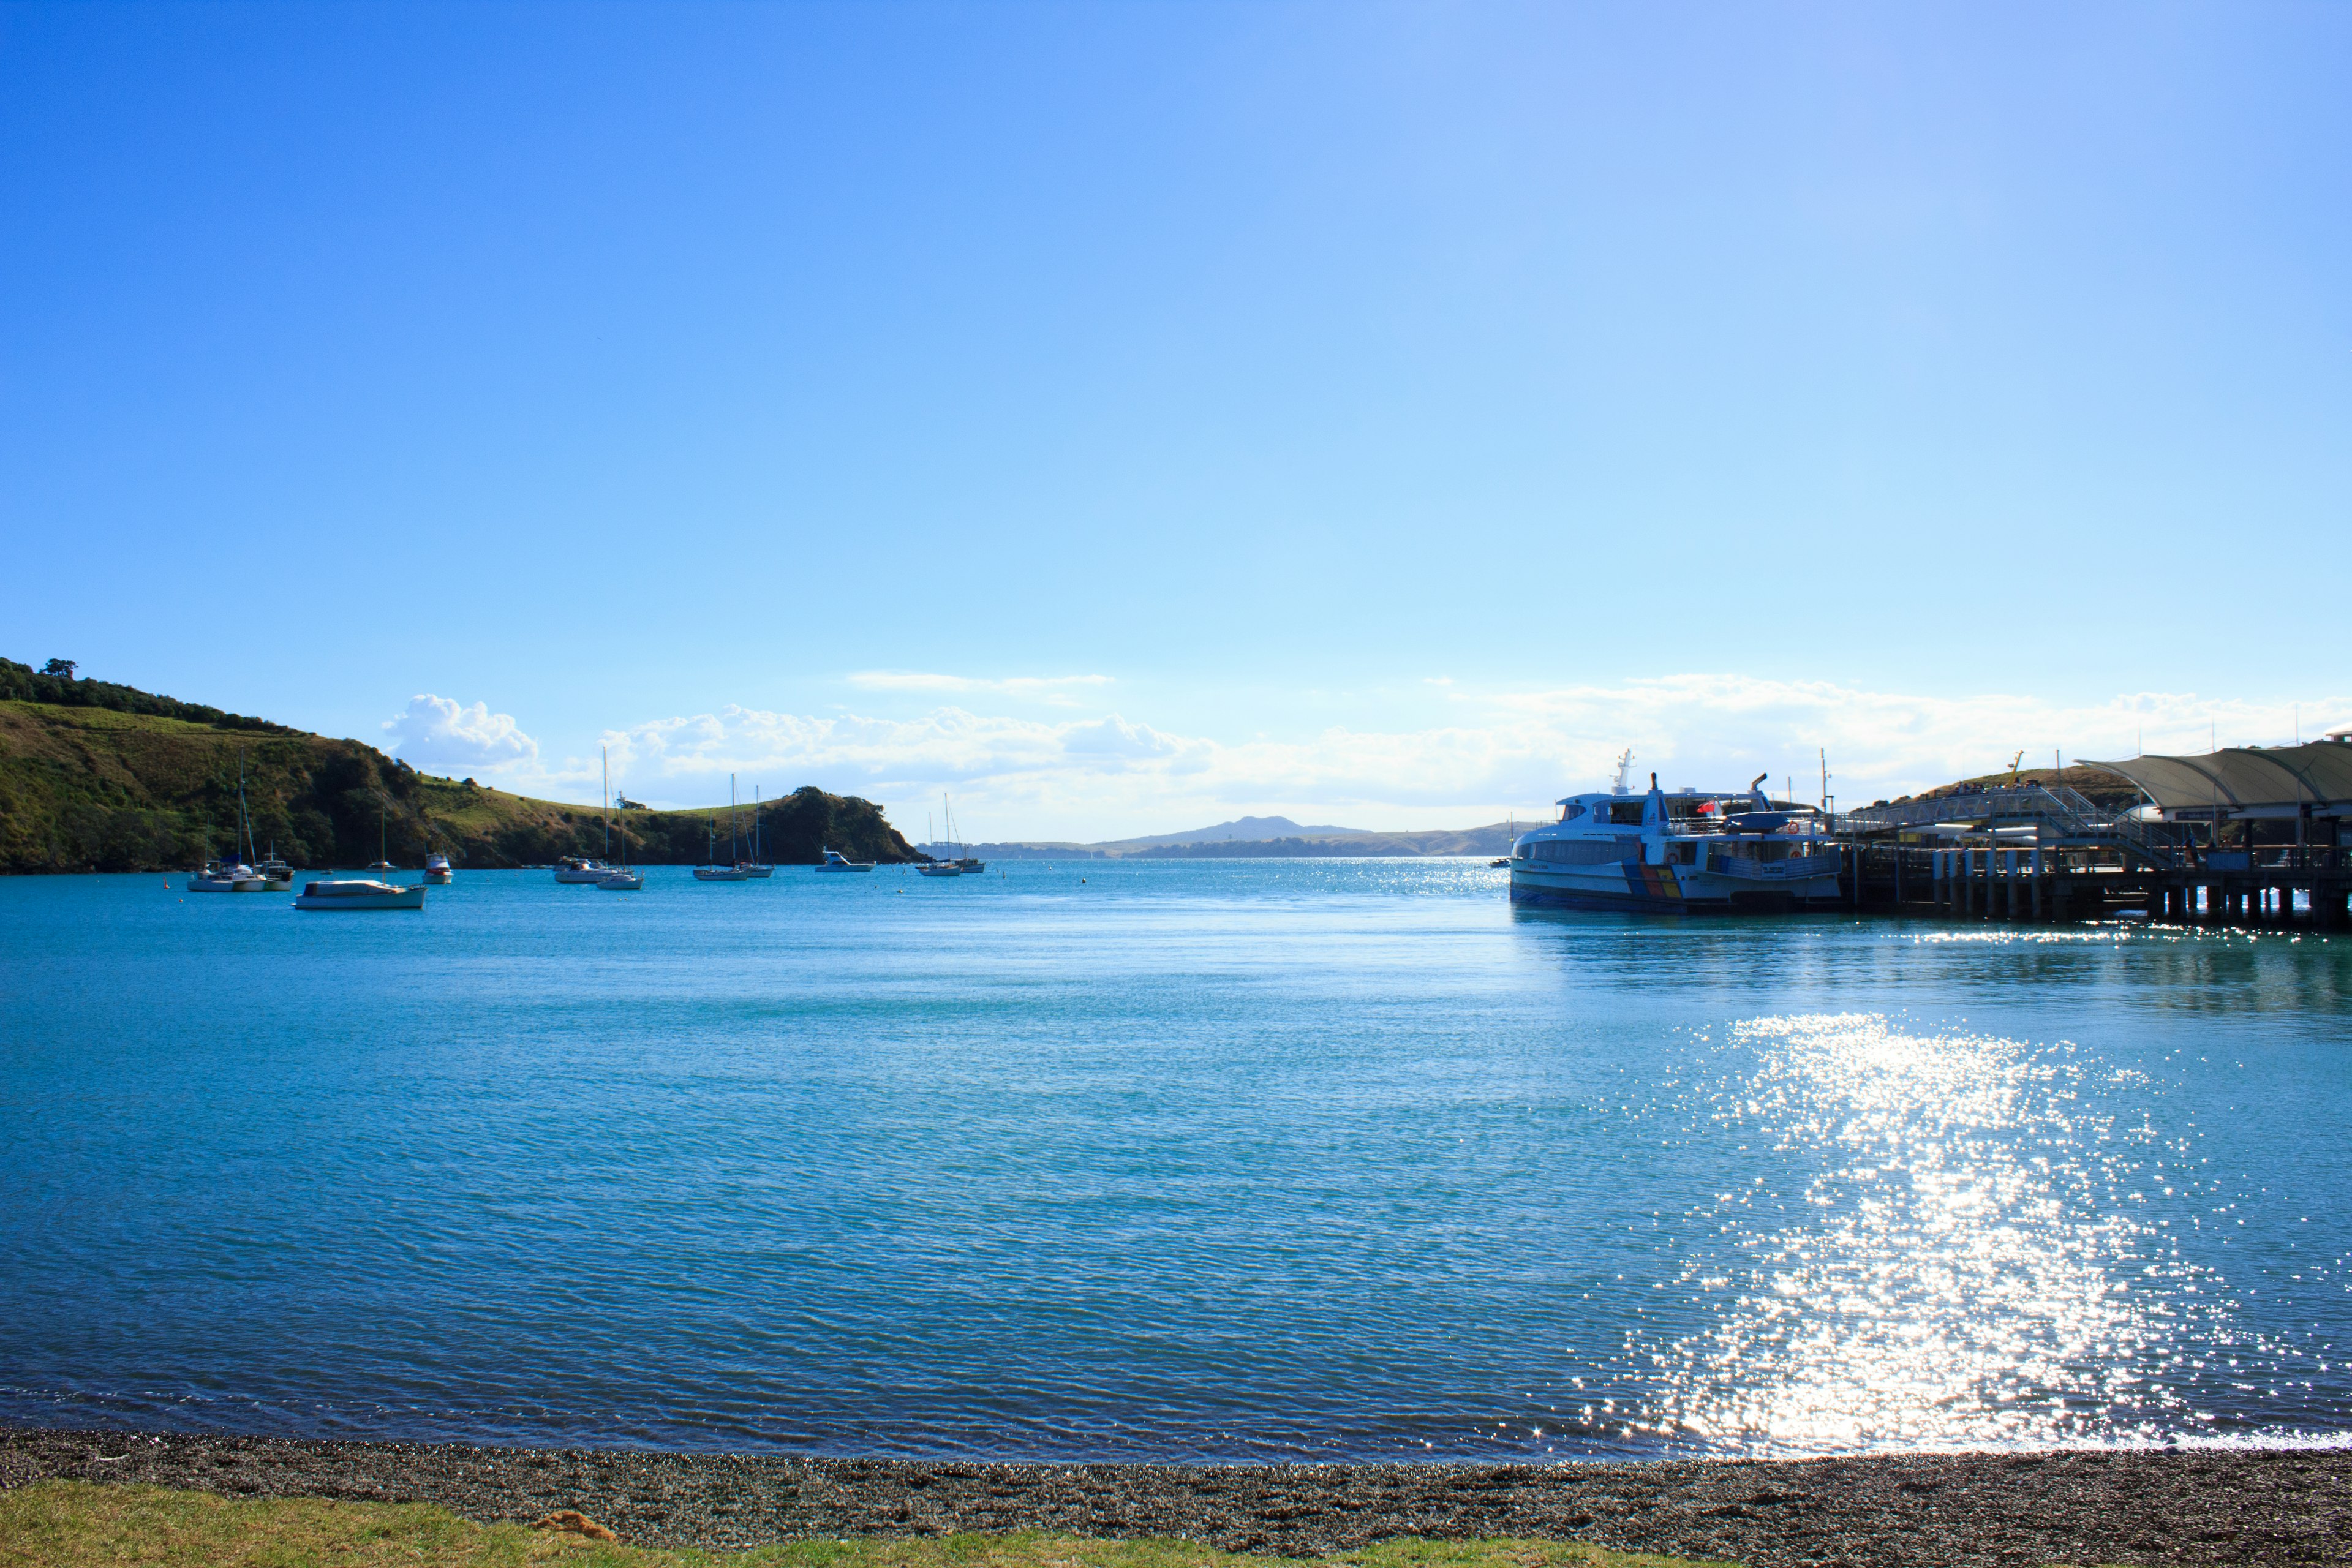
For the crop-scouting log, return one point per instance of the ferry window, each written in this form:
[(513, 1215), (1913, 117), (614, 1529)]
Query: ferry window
[(1572, 811), (1626, 811)]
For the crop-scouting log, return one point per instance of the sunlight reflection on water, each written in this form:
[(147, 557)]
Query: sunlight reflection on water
[(1960, 1265)]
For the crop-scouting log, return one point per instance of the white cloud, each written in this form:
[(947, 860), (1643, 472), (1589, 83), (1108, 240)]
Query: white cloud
[(1024, 775), (437, 732)]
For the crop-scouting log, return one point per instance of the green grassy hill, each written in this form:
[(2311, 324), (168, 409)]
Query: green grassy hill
[(113, 779)]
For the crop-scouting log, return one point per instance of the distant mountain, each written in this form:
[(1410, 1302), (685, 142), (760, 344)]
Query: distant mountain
[(1297, 842), (1240, 829)]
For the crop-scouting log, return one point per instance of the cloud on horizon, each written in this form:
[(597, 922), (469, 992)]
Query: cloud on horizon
[(1097, 777), (439, 731)]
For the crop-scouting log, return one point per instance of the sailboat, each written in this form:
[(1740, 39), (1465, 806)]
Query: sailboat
[(734, 870), (382, 833), (232, 875), (622, 880), (961, 865), (964, 862), (587, 871), (754, 866)]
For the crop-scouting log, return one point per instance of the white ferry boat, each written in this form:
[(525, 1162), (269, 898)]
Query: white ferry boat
[(1688, 852)]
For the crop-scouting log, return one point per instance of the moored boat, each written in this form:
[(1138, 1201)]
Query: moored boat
[(584, 871), (438, 872), (277, 876), (357, 894), (1687, 852), (230, 876), (834, 860), (939, 868)]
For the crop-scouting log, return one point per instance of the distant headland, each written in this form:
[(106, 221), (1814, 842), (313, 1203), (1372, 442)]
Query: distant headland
[(101, 777)]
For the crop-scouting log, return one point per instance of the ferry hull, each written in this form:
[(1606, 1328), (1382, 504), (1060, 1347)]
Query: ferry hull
[(1631, 886)]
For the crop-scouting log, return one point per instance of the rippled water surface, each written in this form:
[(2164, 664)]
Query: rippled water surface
[(1228, 1159)]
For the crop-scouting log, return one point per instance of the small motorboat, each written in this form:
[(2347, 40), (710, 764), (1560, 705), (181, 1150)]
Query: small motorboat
[(753, 869), (356, 893), (226, 877), (834, 860), (623, 881), (277, 876), (722, 874), (438, 872), (582, 869), (940, 869)]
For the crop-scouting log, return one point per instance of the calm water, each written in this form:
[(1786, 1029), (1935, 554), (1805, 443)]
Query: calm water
[(1235, 1159)]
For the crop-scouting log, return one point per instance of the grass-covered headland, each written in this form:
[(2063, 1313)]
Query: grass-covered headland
[(82, 1524), (101, 777)]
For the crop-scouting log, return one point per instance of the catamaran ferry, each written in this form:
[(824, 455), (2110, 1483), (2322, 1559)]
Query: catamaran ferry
[(1688, 852)]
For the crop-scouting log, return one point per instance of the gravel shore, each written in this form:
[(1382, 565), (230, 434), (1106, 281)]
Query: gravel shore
[(2079, 1507)]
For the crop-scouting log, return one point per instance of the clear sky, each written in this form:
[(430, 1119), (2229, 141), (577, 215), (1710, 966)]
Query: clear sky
[(1129, 416)]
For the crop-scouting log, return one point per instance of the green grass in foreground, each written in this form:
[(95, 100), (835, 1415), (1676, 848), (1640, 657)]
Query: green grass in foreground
[(78, 1524)]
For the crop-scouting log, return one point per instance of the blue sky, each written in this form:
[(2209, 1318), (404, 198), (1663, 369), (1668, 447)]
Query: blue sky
[(1126, 416)]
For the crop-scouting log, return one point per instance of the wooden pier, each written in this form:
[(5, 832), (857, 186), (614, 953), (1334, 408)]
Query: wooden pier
[(2037, 854)]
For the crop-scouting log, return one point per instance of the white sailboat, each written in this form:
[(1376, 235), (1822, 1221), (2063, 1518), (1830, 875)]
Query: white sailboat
[(234, 875), (754, 866), (622, 880), (588, 871), (733, 870)]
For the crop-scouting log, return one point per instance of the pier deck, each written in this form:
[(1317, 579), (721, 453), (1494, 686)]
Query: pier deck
[(2038, 854)]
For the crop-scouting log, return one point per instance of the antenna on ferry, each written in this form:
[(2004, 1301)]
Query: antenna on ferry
[(1624, 764)]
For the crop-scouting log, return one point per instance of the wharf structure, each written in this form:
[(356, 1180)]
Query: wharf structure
[(2246, 836)]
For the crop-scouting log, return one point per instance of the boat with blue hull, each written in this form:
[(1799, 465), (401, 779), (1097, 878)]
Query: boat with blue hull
[(1685, 852)]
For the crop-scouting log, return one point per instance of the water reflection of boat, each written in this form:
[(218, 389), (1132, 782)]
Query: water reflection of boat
[(1682, 853)]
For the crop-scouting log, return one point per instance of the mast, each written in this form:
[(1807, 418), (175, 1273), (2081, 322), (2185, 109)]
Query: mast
[(244, 820), (606, 752), (734, 851), (755, 824)]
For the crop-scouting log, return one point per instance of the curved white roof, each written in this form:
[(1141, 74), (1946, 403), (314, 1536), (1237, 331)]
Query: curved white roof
[(2243, 777)]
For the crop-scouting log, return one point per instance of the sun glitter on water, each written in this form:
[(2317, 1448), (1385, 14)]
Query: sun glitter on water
[(1958, 1262)]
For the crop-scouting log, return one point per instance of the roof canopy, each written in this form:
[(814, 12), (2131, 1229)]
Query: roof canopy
[(2243, 778)]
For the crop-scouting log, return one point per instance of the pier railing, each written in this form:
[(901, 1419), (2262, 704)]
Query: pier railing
[(2074, 817)]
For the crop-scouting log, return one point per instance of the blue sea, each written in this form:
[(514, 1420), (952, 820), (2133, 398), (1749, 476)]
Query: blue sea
[(1234, 1160)]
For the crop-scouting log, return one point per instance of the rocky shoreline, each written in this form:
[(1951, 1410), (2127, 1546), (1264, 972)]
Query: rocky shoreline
[(2291, 1506)]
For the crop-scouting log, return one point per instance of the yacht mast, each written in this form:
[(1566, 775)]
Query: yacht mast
[(606, 752)]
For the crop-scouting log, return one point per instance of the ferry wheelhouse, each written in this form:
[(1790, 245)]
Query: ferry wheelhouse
[(1683, 852)]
